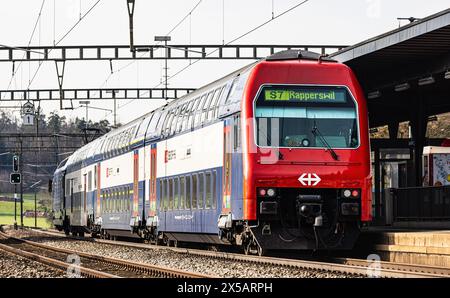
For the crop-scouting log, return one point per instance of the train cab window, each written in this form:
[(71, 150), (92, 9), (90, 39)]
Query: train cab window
[(306, 116), (198, 111), (182, 192), (201, 190), (194, 191), (188, 193), (214, 189), (208, 190), (206, 106)]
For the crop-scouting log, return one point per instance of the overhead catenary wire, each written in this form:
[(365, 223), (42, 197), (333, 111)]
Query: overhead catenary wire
[(37, 22), (158, 43), (64, 36), (230, 42), (188, 15)]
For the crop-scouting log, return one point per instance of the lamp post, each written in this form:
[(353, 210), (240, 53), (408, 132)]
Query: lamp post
[(165, 39)]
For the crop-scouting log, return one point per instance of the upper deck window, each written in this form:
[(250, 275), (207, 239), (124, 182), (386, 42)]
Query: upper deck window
[(306, 116)]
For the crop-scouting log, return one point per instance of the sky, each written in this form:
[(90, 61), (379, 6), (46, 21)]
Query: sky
[(323, 22)]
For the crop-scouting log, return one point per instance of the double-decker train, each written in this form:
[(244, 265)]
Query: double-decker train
[(273, 156)]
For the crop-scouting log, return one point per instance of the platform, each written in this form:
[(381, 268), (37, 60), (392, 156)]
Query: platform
[(408, 246)]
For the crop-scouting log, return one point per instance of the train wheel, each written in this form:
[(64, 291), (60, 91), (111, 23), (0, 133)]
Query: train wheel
[(81, 234)]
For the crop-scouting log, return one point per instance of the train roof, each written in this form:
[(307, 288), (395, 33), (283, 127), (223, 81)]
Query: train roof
[(222, 97)]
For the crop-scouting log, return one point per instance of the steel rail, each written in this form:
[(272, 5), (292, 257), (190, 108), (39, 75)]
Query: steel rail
[(152, 270), (53, 262), (349, 266)]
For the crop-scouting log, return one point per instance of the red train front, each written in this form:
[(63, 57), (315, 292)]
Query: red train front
[(306, 155)]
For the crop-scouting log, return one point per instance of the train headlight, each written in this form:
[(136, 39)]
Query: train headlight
[(355, 193), (347, 193), (262, 192), (271, 192)]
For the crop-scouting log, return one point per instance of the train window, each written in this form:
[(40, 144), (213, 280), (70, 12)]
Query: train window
[(182, 117), (208, 192), (198, 111), (124, 198), (213, 105), (120, 195), (114, 200), (187, 115), (67, 187), (101, 201), (170, 193), (168, 121), (188, 192), (106, 200), (237, 132), (194, 191), (127, 198), (176, 193), (111, 200), (90, 181), (177, 118), (222, 95), (165, 195), (214, 189), (161, 195), (182, 192), (95, 177), (233, 88), (192, 113), (205, 108), (201, 190)]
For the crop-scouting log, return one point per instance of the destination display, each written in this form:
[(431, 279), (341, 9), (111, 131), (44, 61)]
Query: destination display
[(305, 95)]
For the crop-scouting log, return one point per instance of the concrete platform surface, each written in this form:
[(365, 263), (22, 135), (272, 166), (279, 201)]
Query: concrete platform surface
[(414, 246)]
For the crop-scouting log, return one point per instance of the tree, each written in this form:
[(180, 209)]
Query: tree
[(56, 122)]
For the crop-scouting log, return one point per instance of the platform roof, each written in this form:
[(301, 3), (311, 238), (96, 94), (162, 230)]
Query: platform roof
[(405, 55)]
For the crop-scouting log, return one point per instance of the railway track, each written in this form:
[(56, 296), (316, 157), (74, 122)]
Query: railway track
[(354, 267), (90, 265)]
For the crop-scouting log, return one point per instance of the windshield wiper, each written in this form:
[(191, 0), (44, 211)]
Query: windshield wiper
[(315, 131)]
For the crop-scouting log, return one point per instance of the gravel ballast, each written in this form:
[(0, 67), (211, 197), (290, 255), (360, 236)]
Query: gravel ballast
[(177, 260)]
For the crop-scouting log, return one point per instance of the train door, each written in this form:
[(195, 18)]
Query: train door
[(152, 186), (136, 186), (164, 201), (227, 160)]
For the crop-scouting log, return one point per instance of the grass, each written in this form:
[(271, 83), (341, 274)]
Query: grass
[(7, 212)]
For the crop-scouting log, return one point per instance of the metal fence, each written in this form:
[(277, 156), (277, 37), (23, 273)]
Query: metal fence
[(421, 203)]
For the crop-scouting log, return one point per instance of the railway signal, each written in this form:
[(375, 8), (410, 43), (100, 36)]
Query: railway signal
[(15, 178), (15, 163)]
